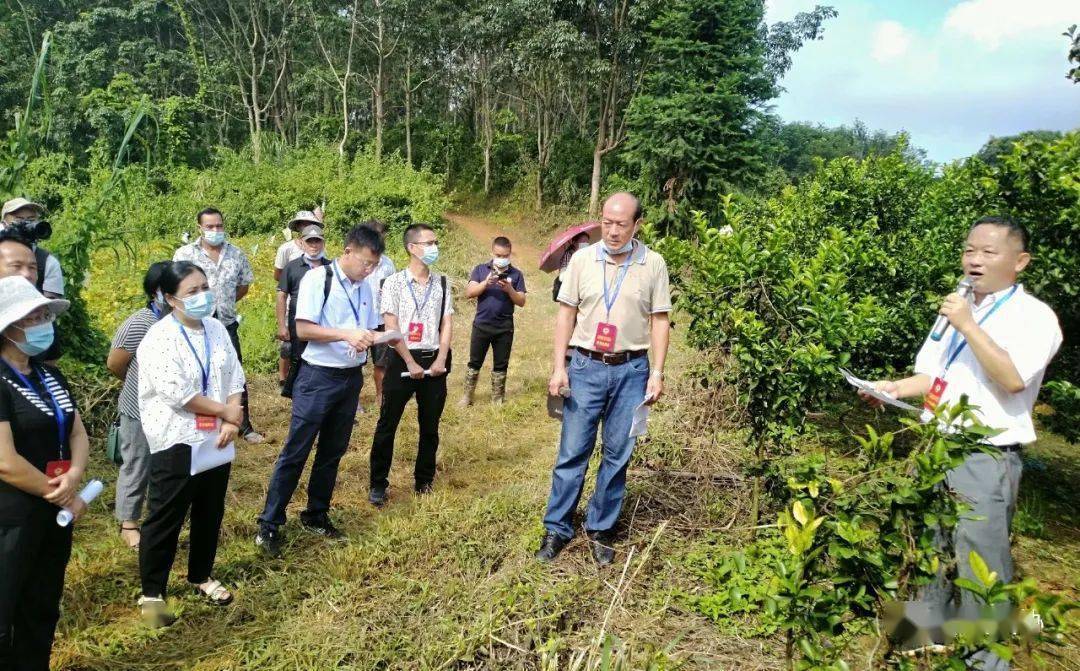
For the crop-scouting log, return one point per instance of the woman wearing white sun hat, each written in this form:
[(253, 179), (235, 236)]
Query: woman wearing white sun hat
[(43, 453)]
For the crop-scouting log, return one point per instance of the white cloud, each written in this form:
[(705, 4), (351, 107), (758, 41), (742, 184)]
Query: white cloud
[(891, 41), (990, 22)]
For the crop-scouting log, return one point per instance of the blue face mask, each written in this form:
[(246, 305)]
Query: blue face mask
[(199, 306), (38, 339), (214, 238), (431, 255), (621, 250)]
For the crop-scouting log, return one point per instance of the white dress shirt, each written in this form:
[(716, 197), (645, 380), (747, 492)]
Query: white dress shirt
[(374, 281), (170, 376), (1027, 329), (337, 313)]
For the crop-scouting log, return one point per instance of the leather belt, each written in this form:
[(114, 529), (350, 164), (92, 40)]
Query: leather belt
[(613, 358)]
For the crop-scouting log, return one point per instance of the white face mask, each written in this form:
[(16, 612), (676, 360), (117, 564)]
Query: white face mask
[(314, 257), (581, 245), (500, 263)]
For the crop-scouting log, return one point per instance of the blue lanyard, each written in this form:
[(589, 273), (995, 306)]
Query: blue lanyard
[(420, 306), (59, 416), (623, 269), (959, 348), (348, 297), (203, 369)]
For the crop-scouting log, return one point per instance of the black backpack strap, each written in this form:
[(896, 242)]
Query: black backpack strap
[(41, 255), (442, 308), (327, 284)]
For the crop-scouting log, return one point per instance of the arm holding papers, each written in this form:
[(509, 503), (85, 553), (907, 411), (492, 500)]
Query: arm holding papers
[(884, 392)]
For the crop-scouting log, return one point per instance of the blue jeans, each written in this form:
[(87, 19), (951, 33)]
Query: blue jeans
[(324, 406), (597, 392)]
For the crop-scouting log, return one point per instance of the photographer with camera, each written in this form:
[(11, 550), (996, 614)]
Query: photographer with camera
[(26, 219), (498, 288)]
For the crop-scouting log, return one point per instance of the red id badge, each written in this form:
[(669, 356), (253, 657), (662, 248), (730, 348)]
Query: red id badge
[(605, 337), (57, 468), (205, 422), (933, 397), (416, 331)]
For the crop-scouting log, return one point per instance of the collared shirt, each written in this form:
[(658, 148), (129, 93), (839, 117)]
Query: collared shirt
[(494, 305), (382, 271), (1027, 329), (289, 284), (337, 313), (397, 299), (287, 252), (128, 338), (645, 291), (170, 375), (231, 270)]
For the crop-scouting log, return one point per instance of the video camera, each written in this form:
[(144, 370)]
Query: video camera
[(33, 230)]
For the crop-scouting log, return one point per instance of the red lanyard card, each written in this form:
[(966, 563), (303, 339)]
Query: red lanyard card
[(416, 331), (205, 422), (605, 337), (57, 468), (933, 397)]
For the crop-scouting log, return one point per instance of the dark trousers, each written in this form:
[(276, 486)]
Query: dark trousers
[(430, 395), (500, 338), (324, 405), (33, 557), (173, 491), (234, 336)]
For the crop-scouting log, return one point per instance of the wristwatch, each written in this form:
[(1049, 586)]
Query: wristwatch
[(657, 373)]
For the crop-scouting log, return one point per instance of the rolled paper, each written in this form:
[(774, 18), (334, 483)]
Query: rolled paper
[(88, 494)]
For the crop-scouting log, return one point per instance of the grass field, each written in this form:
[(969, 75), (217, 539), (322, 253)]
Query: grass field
[(448, 581)]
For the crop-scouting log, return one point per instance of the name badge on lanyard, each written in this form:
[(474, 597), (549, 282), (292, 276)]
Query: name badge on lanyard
[(416, 328), (606, 332), (202, 422), (937, 389), (59, 466)]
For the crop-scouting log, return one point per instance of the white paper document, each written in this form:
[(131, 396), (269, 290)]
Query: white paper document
[(388, 337), (868, 387), (207, 455), (641, 420)]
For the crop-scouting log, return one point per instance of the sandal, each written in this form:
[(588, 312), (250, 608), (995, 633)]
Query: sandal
[(135, 545), (154, 612), (215, 593)]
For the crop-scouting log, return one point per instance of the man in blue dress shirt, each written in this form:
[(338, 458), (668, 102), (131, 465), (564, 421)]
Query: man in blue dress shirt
[(336, 315)]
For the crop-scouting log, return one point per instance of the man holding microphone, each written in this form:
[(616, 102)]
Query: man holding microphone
[(995, 351)]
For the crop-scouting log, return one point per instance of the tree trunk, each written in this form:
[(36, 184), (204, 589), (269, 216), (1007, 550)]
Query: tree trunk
[(408, 108), (594, 181)]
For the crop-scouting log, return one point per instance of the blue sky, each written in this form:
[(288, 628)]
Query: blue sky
[(952, 73)]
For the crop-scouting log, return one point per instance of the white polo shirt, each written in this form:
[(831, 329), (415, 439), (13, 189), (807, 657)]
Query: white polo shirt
[(1028, 330), (337, 313)]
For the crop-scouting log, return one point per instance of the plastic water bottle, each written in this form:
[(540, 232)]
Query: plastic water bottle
[(88, 494)]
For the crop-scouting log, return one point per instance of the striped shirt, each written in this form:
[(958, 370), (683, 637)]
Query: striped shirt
[(127, 338)]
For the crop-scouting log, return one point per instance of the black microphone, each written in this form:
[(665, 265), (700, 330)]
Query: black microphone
[(942, 322)]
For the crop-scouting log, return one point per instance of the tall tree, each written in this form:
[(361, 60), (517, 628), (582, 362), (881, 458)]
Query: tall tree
[(715, 65)]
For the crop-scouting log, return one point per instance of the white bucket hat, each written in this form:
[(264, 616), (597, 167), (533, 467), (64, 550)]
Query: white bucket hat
[(18, 298), (304, 218)]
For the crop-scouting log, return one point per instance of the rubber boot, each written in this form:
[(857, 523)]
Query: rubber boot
[(498, 387), (471, 376)]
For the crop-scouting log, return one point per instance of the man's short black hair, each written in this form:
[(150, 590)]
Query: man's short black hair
[(13, 235), (412, 232), (208, 210), (501, 241), (1014, 228), (362, 236)]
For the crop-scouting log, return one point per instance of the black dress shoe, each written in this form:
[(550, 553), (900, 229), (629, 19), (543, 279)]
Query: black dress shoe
[(602, 549), (551, 546), (377, 496)]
